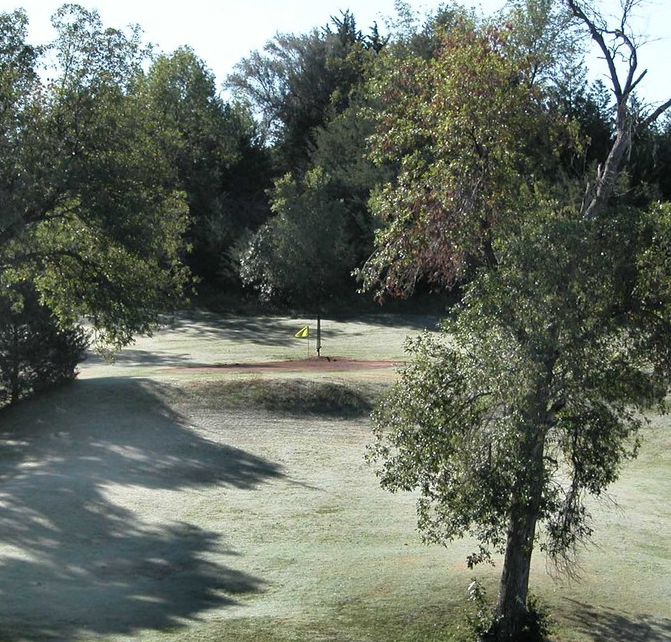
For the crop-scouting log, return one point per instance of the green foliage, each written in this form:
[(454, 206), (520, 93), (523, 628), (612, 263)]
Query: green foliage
[(303, 252), (545, 33), (210, 143), (480, 624), (462, 172), (36, 353), (537, 624), (342, 152), (561, 317), (299, 82), (309, 92), (18, 59), (90, 214), (533, 399)]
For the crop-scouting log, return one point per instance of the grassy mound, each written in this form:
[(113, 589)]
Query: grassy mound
[(300, 397)]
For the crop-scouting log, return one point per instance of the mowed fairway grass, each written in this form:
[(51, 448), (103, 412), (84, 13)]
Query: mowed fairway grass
[(165, 498)]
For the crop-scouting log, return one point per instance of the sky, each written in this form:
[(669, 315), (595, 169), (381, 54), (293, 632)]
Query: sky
[(222, 32)]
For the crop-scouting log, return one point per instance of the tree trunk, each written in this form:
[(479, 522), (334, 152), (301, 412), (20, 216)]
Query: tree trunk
[(15, 387), (511, 609)]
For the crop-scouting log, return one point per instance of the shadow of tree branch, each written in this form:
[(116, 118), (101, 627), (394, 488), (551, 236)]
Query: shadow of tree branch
[(72, 561), (608, 625)]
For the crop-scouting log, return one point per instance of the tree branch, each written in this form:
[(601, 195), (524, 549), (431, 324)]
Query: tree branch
[(655, 114), (597, 36), (598, 194)]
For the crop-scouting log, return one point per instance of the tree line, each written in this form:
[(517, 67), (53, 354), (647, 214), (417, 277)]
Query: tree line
[(455, 151)]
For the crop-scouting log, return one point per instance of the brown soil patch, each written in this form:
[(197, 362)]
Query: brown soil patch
[(314, 364)]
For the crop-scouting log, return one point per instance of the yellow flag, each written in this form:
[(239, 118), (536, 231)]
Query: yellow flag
[(303, 333)]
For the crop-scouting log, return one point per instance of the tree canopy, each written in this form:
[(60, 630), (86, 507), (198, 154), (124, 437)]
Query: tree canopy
[(90, 211), (302, 253), (300, 81), (220, 160)]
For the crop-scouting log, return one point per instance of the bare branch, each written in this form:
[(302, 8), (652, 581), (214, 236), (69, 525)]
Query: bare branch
[(641, 76), (623, 46), (597, 34), (655, 114)]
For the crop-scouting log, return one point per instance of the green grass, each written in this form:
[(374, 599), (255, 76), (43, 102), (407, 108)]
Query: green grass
[(293, 396), (205, 339), (147, 502)]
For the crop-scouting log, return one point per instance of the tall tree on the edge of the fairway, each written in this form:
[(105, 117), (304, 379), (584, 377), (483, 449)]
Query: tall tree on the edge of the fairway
[(563, 332), (210, 145), (307, 90), (342, 153), (301, 81), (303, 254), (89, 214)]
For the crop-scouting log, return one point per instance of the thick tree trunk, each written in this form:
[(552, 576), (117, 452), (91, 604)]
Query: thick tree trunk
[(511, 609)]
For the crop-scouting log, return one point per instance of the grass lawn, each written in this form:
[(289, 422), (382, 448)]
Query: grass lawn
[(161, 499)]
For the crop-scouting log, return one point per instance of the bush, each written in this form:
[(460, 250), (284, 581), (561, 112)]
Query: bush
[(36, 352), (479, 624)]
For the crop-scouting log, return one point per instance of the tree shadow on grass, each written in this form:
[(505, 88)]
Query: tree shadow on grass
[(73, 562), (136, 357), (608, 625), (271, 332), (260, 330), (280, 331)]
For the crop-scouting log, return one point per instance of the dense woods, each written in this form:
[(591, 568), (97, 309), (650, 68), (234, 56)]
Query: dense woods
[(449, 151)]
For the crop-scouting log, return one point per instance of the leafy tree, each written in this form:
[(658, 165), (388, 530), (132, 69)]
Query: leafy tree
[(532, 400), (310, 93), (460, 171), (661, 155), (299, 82), (211, 143), (302, 254), (342, 152), (646, 165), (89, 214)]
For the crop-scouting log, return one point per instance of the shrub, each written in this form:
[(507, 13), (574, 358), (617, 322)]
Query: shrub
[(479, 624), (36, 352)]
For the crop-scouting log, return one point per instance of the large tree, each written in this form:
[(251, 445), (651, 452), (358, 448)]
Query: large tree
[(218, 155), (89, 211), (308, 90), (532, 400), (300, 81)]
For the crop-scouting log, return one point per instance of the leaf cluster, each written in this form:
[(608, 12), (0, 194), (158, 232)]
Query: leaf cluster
[(303, 252)]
